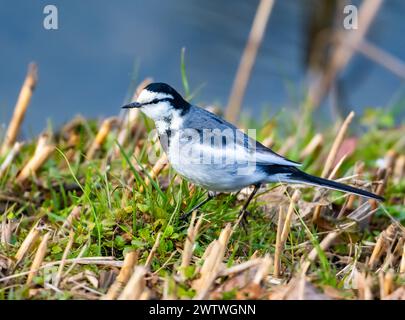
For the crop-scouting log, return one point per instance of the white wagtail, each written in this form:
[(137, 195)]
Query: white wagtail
[(213, 153)]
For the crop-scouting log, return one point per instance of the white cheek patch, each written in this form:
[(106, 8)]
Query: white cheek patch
[(148, 96), (157, 110)]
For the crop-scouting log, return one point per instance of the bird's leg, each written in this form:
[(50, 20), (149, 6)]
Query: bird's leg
[(210, 196), (243, 211)]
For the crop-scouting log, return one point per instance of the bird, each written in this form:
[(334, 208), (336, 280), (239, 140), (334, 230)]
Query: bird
[(217, 156)]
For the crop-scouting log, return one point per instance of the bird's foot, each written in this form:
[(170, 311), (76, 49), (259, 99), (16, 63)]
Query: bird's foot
[(184, 216), (243, 220)]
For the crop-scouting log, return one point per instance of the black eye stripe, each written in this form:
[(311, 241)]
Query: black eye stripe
[(154, 101)]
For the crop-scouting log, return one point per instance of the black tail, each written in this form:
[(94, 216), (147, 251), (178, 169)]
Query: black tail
[(294, 175)]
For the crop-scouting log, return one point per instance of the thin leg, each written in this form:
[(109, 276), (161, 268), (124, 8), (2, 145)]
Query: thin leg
[(210, 196), (243, 211)]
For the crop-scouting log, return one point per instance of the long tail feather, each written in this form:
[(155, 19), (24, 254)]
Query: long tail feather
[(294, 175), (303, 177)]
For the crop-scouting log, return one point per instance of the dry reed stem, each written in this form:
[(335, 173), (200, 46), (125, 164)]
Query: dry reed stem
[(399, 169), (212, 264), (324, 245), (388, 286), (241, 267), (39, 257), (152, 251), (389, 159), (126, 271), (337, 167), (344, 51), (6, 232), (263, 270), (380, 188), (42, 152), (287, 145), (28, 242), (402, 266), (101, 136), (20, 108), (364, 286), (102, 261), (336, 145), (287, 224), (315, 143), (248, 58), (64, 257), (358, 171), (15, 150), (187, 254), (332, 155), (382, 57), (279, 244), (135, 286), (157, 168), (382, 243)]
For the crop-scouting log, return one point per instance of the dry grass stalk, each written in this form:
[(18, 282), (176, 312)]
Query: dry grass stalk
[(68, 223), (101, 136), (324, 245), (388, 283), (248, 58), (64, 257), (358, 171), (332, 155), (287, 224), (381, 187), (364, 286), (153, 250), (315, 143), (187, 254), (382, 244), (389, 159), (27, 244), (336, 145), (126, 271), (212, 264), (20, 108), (10, 157), (287, 145), (283, 229), (253, 262), (263, 270), (402, 267), (157, 168), (279, 244), (337, 167), (399, 169), (42, 152), (6, 231), (382, 57), (39, 257), (135, 286)]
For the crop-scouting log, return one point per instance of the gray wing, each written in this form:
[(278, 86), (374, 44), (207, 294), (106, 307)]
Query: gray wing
[(200, 119)]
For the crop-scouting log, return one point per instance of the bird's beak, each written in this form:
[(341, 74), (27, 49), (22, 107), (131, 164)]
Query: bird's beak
[(132, 105)]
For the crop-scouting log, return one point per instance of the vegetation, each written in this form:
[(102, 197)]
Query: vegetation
[(85, 215)]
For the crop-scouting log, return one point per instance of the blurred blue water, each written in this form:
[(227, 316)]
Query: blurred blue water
[(87, 65)]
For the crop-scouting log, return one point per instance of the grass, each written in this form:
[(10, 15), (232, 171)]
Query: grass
[(109, 227)]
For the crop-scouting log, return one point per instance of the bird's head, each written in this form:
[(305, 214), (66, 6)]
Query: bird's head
[(159, 101)]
